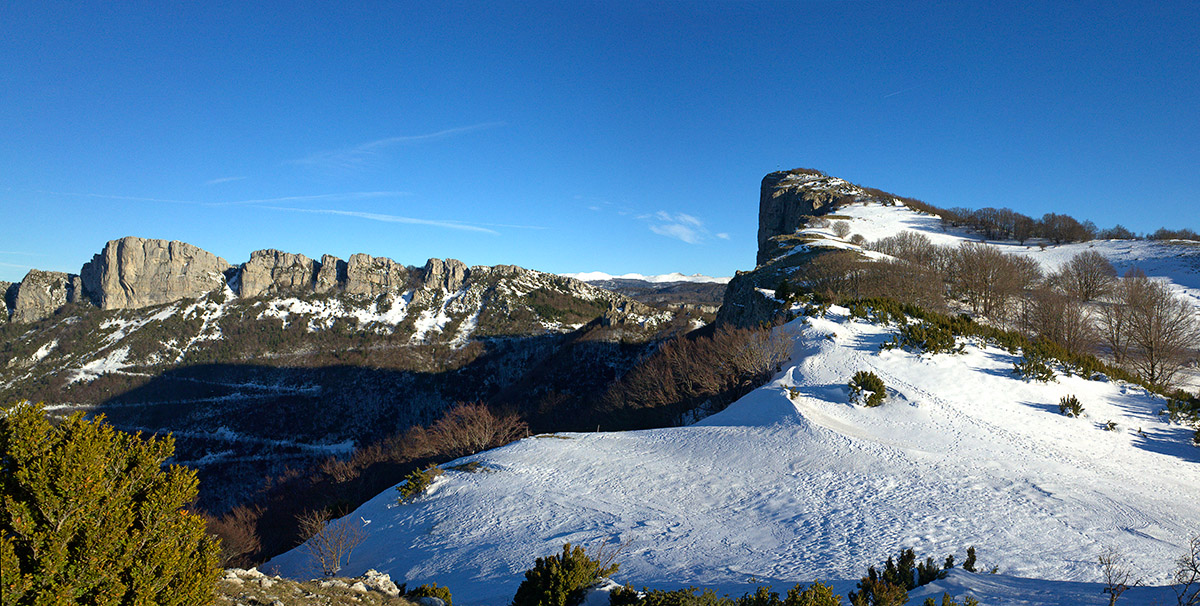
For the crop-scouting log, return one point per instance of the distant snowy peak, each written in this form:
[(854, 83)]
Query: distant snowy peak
[(599, 276)]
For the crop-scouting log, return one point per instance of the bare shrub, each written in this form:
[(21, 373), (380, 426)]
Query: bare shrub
[(905, 282), (833, 274), (467, 429), (328, 542), (841, 229), (687, 372), (238, 532)]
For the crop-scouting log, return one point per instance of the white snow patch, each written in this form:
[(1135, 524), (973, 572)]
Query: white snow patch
[(113, 362)]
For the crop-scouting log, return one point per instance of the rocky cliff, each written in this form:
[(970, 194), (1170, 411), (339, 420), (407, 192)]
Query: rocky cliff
[(134, 272), (787, 201), (273, 271), (42, 293)]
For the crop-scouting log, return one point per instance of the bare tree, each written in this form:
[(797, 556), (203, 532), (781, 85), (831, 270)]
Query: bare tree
[(1164, 330), (1187, 574), (329, 542), (1118, 574), (988, 279), (467, 429), (1087, 276), (1059, 318)]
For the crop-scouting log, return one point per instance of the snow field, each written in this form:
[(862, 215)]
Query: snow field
[(779, 489)]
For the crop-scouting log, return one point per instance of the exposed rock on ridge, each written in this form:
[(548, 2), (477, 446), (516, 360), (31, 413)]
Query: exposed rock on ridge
[(372, 276), (788, 198), (271, 271), (42, 293), (136, 272)]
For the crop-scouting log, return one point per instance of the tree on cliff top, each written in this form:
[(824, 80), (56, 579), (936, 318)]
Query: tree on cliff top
[(89, 516)]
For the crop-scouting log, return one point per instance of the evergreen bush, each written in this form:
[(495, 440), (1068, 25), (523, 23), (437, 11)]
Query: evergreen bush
[(562, 580), (430, 590), (867, 387), (417, 482), (1070, 406), (1034, 367), (89, 516)]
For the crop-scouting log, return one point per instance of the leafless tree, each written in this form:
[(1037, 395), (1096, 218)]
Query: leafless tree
[(1187, 574), (988, 279), (329, 542), (1059, 318), (835, 274), (910, 246), (1087, 276), (1164, 330), (905, 282), (1118, 574), (841, 229), (467, 429)]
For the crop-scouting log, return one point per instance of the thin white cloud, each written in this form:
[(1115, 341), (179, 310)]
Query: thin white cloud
[(223, 180), (353, 195), (19, 252), (723, 236), (359, 156), (15, 265), (681, 226), (387, 218)]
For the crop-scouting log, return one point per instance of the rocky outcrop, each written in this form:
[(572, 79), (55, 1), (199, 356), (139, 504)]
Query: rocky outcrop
[(331, 275), (448, 275), (272, 271), (8, 300), (788, 198), (371, 276), (42, 293), (135, 272)]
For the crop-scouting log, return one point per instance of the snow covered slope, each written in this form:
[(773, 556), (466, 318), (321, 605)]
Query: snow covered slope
[(792, 483), (1177, 261)]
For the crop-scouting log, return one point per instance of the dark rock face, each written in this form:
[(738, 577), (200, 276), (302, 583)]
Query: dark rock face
[(273, 271), (135, 272), (786, 200), (42, 293), (8, 300)]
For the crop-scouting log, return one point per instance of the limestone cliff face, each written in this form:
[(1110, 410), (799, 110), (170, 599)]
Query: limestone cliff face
[(448, 274), (42, 293), (331, 275), (787, 199), (371, 276), (135, 272), (273, 271)]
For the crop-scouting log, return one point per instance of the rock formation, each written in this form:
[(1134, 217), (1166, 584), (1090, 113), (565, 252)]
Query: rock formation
[(8, 300), (786, 200), (371, 276), (448, 274), (42, 293), (273, 271), (331, 275), (135, 272)]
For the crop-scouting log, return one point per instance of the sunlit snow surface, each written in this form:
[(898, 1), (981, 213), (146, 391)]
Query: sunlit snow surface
[(780, 489)]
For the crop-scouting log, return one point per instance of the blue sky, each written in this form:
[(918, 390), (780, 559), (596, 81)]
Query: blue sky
[(573, 136)]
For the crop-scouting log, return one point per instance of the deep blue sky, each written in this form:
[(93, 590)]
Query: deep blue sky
[(612, 136)]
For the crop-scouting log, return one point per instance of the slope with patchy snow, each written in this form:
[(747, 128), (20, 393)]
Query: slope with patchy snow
[(793, 483)]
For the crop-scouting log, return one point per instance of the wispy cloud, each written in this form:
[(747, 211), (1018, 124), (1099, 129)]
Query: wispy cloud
[(23, 253), (353, 195), (388, 218), (723, 236), (680, 226), (15, 265), (359, 156), (223, 180)]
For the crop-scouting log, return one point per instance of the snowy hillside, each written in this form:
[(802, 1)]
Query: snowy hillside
[(792, 483), (1177, 261)]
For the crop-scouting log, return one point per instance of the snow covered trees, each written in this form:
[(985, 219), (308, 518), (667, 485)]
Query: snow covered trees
[(90, 517)]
